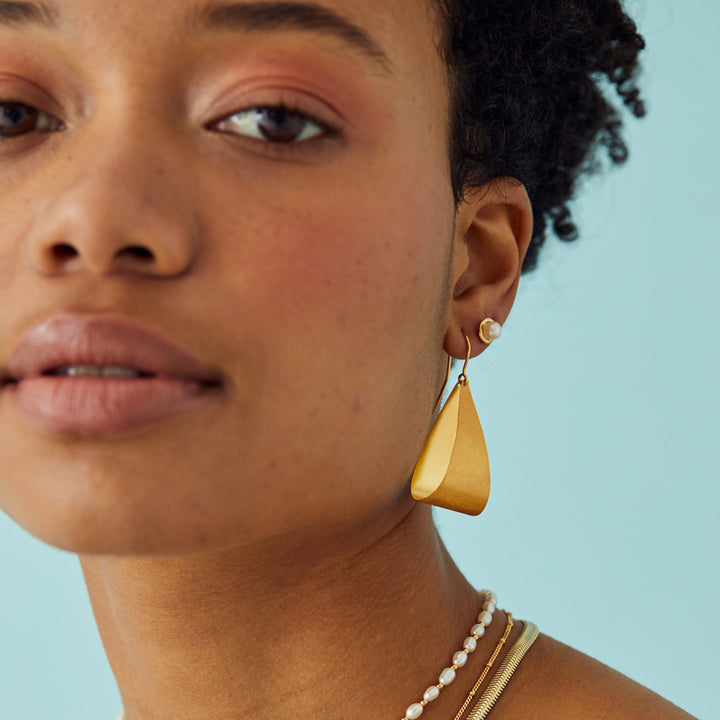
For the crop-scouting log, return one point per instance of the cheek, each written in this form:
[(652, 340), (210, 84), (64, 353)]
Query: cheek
[(341, 296), (345, 292), (363, 259)]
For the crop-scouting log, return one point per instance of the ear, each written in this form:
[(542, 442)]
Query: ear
[(493, 230)]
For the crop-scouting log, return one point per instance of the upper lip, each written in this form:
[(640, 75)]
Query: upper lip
[(73, 339)]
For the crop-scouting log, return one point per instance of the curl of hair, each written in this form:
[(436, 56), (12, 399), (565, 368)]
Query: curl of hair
[(529, 84)]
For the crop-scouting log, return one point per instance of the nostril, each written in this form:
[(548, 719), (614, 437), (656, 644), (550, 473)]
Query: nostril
[(63, 251), (137, 252)]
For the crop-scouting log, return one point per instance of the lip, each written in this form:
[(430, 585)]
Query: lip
[(175, 380)]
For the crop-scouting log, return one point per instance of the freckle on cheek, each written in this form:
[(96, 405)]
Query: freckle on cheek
[(359, 405)]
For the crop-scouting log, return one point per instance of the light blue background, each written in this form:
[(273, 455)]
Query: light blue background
[(600, 409)]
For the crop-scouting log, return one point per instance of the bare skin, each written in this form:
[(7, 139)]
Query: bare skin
[(261, 556), (353, 637), (556, 681)]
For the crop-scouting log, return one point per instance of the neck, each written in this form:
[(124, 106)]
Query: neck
[(296, 628)]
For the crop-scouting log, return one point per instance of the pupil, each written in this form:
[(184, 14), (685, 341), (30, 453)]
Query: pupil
[(16, 119), (280, 125)]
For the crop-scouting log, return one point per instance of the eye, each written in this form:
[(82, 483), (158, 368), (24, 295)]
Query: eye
[(19, 119), (273, 124)]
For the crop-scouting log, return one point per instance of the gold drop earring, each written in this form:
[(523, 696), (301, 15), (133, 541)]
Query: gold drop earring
[(453, 470)]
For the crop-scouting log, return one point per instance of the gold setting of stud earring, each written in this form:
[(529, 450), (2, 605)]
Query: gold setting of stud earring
[(490, 330)]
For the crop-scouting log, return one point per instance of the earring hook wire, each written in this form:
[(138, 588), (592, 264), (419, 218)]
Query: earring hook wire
[(462, 378)]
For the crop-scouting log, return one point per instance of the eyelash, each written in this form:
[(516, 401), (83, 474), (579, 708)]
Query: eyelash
[(321, 133), (310, 131)]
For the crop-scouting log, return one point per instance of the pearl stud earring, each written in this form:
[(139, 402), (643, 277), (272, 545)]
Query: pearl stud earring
[(490, 330)]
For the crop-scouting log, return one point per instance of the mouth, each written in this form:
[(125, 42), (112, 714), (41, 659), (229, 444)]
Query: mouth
[(106, 371), (110, 372), (100, 374)]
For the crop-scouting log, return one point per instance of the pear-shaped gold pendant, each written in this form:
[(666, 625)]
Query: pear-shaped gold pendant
[(453, 470)]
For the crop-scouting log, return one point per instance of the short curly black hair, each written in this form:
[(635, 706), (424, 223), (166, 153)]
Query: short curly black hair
[(528, 81)]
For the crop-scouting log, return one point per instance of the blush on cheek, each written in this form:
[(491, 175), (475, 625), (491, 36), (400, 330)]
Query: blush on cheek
[(354, 251), (323, 260)]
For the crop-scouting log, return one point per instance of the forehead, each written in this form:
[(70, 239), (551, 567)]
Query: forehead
[(382, 33)]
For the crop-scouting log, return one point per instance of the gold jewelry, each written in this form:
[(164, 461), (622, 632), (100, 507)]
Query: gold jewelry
[(504, 673), (453, 469), (490, 330), (488, 665)]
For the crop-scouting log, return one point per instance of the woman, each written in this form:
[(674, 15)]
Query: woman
[(240, 249)]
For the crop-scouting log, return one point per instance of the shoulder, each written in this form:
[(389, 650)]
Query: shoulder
[(555, 681)]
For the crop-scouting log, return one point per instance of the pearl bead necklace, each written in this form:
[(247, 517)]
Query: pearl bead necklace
[(489, 603)]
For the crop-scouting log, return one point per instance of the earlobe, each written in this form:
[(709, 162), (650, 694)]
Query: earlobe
[(493, 232)]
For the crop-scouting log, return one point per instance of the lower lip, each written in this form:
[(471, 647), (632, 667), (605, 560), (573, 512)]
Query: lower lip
[(103, 405)]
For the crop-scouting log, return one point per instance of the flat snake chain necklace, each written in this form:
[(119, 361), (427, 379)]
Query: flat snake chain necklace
[(460, 658)]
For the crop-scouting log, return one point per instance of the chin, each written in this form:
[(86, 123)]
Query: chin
[(151, 531), (121, 542), (92, 527)]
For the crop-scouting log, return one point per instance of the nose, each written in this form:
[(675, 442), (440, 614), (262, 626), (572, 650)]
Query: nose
[(112, 214)]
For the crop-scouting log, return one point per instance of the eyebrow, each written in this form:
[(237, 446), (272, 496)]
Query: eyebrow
[(307, 17), (27, 13)]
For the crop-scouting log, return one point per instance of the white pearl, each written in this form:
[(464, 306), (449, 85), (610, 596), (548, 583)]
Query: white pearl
[(460, 658), (490, 330), (414, 711), (485, 617), (478, 630), (491, 597), (432, 693), (493, 330), (489, 606), (470, 644), (447, 676)]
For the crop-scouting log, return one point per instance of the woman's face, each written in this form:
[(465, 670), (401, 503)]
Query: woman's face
[(301, 252)]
